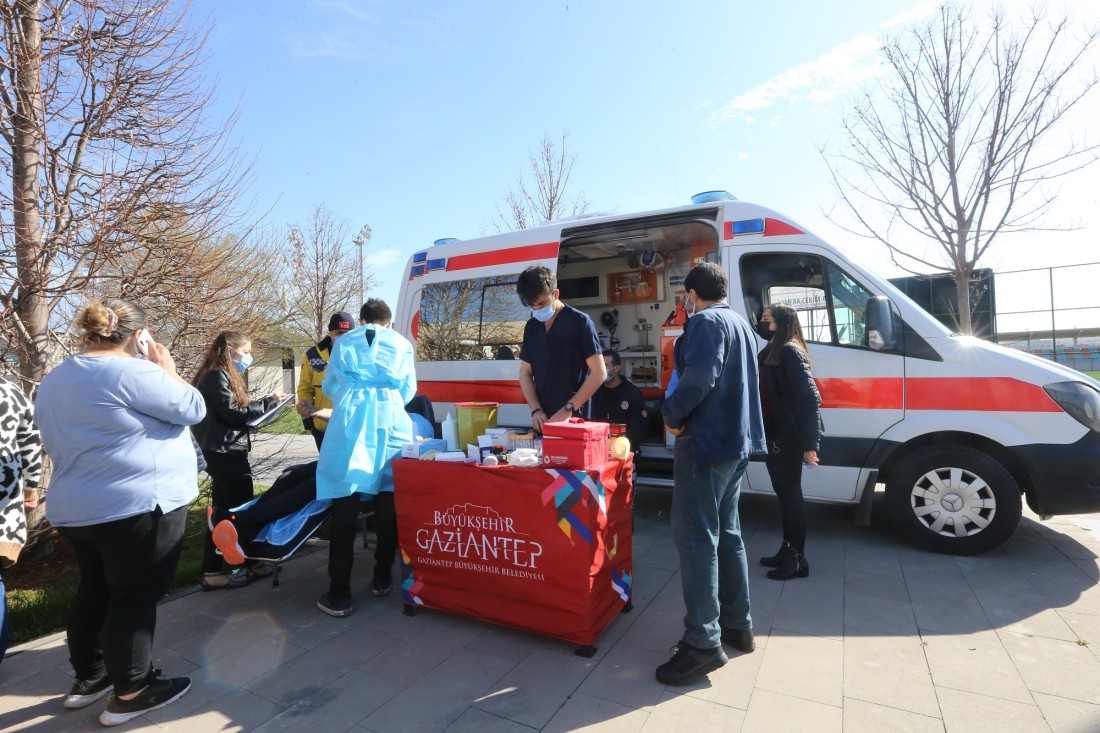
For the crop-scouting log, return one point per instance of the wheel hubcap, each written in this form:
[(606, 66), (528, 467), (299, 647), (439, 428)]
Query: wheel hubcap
[(953, 502)]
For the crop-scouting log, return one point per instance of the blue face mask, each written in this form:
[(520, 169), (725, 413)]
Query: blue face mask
[(243, 363), (543, 314)]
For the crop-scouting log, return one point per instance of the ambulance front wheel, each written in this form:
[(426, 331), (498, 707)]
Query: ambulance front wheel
[(953, 499)]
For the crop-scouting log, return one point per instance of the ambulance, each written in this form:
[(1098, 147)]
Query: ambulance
[(958, 431)]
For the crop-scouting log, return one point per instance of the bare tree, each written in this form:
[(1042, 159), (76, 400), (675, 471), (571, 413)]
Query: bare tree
[(540, 191), (955, 145), (117, 182), (324, 273)]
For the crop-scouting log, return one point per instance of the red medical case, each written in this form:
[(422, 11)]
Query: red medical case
[(574, 444)]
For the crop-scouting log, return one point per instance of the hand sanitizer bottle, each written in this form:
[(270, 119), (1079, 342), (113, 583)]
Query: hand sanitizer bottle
[(450, 432)]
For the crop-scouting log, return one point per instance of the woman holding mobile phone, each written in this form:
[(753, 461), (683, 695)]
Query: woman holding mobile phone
[(792, 422), (124, 474), (225, 439)]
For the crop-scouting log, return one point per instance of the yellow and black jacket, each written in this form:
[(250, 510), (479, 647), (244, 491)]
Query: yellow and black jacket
[(313, 371)]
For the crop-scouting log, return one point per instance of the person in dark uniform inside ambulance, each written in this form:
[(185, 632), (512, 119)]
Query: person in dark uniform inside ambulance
[(620, 401), (561, 361)]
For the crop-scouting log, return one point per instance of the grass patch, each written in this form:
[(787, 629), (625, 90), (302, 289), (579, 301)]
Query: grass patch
[(35, 612), (1094, 375), (288, 423)]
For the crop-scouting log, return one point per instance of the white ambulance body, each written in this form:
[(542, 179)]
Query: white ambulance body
[(956, 428)]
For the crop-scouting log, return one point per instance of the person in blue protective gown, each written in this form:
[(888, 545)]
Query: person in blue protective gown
[(370, 378)]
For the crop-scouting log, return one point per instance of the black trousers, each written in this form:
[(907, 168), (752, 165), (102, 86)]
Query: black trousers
[(341, 549), (125, 566), (785, 470), (230, 486), (318, 436), (290, 492)]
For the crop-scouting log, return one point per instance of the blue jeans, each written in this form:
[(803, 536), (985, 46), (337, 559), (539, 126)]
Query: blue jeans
[(707, 530)]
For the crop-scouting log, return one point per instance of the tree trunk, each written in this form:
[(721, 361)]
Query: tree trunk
[(31, 308), (962, 291)]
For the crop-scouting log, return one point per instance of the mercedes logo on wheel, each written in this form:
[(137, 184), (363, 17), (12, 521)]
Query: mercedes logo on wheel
[(952, 502)]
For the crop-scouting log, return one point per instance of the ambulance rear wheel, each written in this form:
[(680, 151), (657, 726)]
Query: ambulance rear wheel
[(953, 499)]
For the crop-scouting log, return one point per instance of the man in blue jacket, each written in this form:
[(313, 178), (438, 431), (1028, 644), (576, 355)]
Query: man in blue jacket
[(716, 417)]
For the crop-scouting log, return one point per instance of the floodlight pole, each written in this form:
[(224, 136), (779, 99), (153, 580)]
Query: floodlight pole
[(361, 240)]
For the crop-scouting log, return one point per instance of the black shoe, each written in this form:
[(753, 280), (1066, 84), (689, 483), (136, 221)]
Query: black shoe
[(85, 692), (157, 694), (689, 663), (336, 607), (777, 559), (794, 565), (740, 639), (381, 587)]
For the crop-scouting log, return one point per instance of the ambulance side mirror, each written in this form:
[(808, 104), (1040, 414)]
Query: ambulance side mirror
[(881, 324)]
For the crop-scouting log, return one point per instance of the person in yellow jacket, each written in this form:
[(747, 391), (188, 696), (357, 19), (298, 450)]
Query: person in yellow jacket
[(314, 407)]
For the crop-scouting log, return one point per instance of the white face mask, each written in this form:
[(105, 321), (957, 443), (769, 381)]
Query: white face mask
[(693, 305)]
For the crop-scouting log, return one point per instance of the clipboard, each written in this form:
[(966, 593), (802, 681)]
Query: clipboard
[(270, 414)]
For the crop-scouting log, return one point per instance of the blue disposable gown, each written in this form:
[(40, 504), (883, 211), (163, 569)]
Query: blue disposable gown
[(369, 383)]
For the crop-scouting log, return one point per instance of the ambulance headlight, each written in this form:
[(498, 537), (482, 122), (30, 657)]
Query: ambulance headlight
[(1080, 400)]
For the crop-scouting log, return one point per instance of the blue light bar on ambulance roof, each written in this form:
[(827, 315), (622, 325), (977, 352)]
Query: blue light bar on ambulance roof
[(748, 226), (445, 240), (707, 197)]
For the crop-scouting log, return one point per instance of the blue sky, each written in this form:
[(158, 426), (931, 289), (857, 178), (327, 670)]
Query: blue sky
[(414, 117)]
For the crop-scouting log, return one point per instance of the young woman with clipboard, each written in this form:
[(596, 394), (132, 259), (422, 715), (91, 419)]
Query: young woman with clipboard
[(225, 440)]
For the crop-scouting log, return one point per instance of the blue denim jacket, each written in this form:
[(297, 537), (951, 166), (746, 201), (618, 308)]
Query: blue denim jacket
[(717, 399)]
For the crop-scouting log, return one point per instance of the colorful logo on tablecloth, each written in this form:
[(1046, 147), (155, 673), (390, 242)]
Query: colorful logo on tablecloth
[(410, 585), (478, 538), (569, 490), (621, 582)]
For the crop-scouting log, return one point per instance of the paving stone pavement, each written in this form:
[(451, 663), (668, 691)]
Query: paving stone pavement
[(880, 637)]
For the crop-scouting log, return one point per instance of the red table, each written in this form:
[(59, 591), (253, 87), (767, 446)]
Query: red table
[(544, 550)]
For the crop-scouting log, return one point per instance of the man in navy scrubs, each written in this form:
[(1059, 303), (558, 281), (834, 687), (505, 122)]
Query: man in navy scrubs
[(561, 362)]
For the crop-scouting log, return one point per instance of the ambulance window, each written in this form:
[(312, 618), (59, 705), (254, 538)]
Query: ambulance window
[(830, 303), (470, 320), (849, 300)]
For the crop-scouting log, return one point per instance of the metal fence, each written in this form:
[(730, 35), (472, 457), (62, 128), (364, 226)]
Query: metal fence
[(1052, 312)]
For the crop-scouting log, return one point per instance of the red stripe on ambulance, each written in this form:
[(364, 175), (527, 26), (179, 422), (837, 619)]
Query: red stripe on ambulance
[(980, 394), (987, 394), (883, 393), (546, 251)]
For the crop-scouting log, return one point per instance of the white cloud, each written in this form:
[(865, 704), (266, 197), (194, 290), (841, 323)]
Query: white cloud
[(384, 258), (836, 73), (325, 45), (742, 156), (911, 15), (347, 8)]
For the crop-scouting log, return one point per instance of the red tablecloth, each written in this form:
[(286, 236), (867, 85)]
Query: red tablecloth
[(545, 550)]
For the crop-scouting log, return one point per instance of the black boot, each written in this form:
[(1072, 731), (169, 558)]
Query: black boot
[(777, 559), (793, 565)]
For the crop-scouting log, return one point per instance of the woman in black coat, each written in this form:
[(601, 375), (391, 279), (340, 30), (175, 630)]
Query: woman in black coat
[(225, 440), (792, 422)]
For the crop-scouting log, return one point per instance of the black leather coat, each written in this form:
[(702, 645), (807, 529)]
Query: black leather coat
[(792, 420), (224, 428)]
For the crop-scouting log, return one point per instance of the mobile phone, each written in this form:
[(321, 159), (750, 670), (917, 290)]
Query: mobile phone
[(144, 339)]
